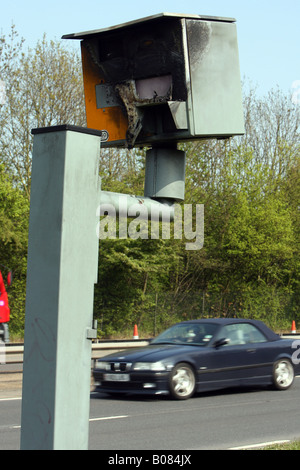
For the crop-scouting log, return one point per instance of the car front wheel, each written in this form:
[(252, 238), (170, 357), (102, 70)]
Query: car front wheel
[(182, 382), (283, 374)]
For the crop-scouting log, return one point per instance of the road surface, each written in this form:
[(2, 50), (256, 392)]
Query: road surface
[(218, 420)]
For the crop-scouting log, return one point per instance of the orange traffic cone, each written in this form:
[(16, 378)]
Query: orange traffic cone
[(135, 332), (293, 330)]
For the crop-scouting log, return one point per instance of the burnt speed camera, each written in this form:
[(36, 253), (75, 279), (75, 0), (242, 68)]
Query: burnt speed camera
[(165, 78)]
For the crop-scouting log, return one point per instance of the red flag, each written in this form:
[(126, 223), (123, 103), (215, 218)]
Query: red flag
[(4, 308)]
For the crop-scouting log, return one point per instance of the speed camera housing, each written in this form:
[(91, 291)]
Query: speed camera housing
[(165, 78)]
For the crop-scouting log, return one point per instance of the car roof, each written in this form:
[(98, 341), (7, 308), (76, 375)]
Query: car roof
[(271, 336)]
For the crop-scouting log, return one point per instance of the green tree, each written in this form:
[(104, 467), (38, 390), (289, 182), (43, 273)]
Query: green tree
[(250, 189), (44, 89), (14, 211)]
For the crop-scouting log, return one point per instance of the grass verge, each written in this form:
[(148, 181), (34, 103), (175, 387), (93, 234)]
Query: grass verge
[(293, 445)]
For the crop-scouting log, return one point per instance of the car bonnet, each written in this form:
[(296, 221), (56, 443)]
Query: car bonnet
[(151, 353)]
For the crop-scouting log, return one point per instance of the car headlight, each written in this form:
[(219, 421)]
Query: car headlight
[(154, 366), (103, 365)]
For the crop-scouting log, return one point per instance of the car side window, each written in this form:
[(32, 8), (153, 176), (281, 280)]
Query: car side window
[(242, 333)]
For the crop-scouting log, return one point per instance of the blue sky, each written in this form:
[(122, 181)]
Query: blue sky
[(268, 30)]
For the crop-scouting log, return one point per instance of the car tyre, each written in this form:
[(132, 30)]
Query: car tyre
[(182, 381), (283, 374)]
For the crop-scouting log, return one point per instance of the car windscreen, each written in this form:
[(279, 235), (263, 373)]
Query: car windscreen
[(198, 334)]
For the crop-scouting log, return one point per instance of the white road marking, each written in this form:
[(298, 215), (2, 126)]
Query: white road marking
[(92, 419), (10, 399), (109, 417), (261, 444)]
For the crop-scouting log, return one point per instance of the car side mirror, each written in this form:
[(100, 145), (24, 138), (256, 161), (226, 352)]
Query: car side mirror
[(221, 342)]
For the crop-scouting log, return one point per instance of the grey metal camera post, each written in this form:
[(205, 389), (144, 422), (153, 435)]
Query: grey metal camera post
[(62, 270)]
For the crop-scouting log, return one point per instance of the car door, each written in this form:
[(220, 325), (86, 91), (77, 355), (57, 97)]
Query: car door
[(237, 361)]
